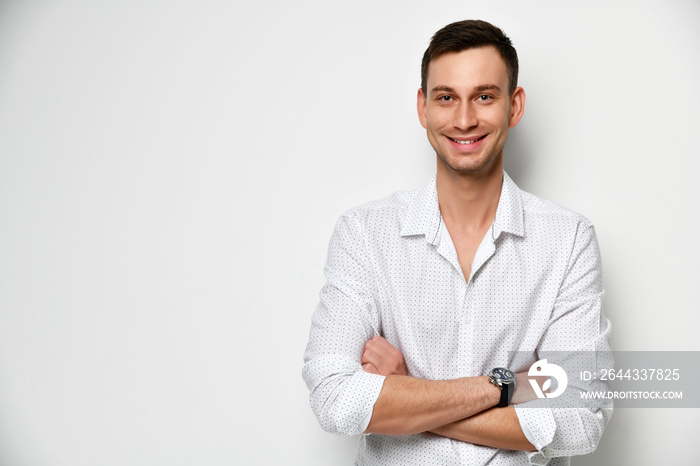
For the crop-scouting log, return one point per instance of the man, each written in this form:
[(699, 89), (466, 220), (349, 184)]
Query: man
[(430, 293)]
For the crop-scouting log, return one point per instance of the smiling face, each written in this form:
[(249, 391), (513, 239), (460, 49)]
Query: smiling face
[(467, 110)]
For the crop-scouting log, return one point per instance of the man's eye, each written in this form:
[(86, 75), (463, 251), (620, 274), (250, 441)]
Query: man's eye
[(445, 98), (484, 98)]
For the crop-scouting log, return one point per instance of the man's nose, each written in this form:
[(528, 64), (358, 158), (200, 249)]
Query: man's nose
[(465, 116)]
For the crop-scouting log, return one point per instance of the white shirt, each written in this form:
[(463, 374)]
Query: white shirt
[(392, 270)]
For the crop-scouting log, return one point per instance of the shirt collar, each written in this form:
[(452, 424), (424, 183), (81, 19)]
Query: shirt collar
[(509, 213), (422, 216)]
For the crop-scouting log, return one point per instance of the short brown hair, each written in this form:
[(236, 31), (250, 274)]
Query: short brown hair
[(470, 34)]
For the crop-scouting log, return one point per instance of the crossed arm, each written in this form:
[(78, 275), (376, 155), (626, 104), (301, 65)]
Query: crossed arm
[(348, 316), (461, 409)]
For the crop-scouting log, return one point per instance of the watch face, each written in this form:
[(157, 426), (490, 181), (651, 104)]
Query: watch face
[(505, 375)]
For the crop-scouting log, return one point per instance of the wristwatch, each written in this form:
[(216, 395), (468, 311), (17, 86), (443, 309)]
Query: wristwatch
[(505, 380)]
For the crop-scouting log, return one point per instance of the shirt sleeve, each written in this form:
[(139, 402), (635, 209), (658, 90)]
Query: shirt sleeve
[(342, 395), (577, 326)]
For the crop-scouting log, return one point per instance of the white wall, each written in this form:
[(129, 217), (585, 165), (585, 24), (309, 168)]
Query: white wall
[(171, 171)]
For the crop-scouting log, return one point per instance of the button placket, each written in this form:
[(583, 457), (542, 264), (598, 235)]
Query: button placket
[(467, 308), (465, 356)]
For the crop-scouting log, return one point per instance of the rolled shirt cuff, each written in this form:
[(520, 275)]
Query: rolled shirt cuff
[(538, 425)]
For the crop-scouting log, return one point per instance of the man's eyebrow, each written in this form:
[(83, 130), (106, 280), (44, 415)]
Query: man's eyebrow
[(488, 87), (441, 89)]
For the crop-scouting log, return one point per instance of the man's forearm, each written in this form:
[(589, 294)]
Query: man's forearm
[(497, 428), (407, 405)]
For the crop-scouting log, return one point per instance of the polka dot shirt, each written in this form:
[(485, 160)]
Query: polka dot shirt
[(392, 270)]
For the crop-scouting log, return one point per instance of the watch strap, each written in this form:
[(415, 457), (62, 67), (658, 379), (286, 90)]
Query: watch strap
[(507, 390)]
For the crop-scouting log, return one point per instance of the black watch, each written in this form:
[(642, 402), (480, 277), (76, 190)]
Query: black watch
[(505, 380)]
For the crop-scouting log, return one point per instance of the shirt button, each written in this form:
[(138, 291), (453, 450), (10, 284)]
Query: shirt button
[(467, 319)]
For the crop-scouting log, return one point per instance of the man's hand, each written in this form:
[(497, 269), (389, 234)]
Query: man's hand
[(380, 357)]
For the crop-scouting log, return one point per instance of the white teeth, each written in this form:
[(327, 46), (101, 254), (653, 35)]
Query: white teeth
[(465, 142)]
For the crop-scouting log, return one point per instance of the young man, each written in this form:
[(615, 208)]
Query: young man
[(430, 293)]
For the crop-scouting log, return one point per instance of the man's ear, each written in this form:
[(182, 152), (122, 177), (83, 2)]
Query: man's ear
[(421, 104), (517, 106)]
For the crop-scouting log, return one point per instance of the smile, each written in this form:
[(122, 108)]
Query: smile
[(465, 142)]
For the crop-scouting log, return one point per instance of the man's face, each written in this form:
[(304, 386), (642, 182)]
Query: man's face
[(467, 110)]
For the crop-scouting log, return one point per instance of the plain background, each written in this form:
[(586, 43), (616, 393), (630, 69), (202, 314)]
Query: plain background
[(171, 172)]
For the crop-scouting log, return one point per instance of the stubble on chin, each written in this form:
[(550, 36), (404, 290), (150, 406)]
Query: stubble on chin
[(483, 165)]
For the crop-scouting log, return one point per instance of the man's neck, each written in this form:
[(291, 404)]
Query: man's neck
[(469, 201)]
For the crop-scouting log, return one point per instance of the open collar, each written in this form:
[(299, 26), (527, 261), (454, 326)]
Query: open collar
[(422, 216)]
